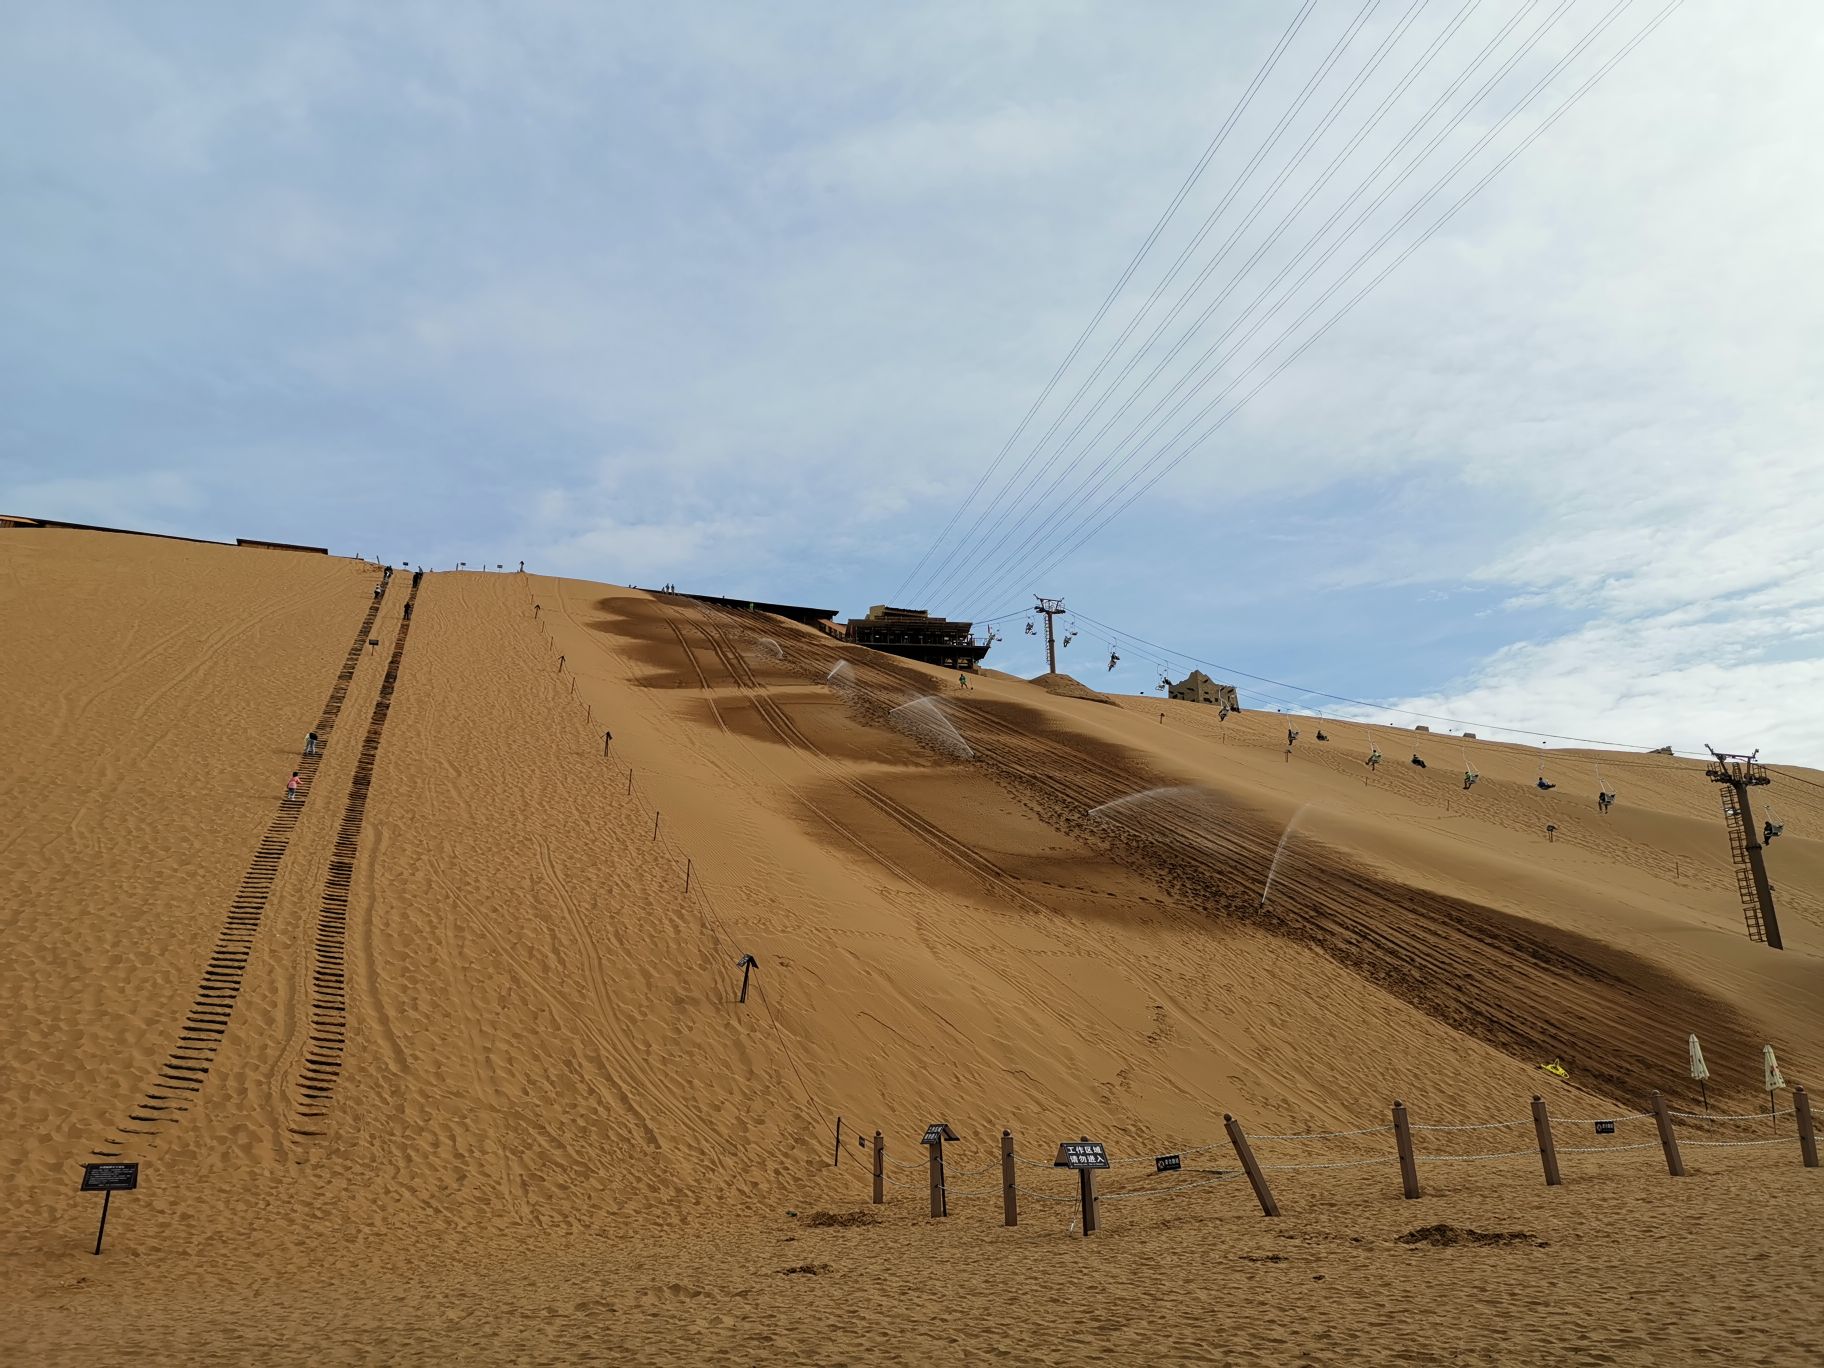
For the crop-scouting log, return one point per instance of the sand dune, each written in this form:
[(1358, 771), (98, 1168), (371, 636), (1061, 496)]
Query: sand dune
[(444, 1061)]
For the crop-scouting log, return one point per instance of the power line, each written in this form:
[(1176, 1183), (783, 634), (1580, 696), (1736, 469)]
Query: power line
[(1209, 152), (1260, 153), (1087, 488), (1354, 702), (1335, 318)]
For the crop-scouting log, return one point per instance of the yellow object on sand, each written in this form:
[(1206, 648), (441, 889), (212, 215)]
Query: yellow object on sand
[(1556, 1070)]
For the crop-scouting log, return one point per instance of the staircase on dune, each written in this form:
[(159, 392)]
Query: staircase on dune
[(1738, 861)]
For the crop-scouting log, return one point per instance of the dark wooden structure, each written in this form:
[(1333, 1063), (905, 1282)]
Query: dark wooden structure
[(915, 635)]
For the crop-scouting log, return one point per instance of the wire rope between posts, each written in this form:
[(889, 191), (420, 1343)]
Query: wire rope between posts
[(1326, 1135), (1045, 1196), (1737, 1144), (1593, 1120), (1459, 1158), (898, 1163), (1166, 1191), (1607, 1149), (1745, 1116), (968, 1192), (1343, 1164), (1473, 1125)]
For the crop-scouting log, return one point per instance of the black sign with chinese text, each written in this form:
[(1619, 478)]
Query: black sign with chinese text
[(110, 1177), (1605, 1128), (1167, 1163), (1081, 1154)]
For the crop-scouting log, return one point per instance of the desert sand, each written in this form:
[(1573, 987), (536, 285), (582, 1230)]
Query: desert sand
[(444, 1062)]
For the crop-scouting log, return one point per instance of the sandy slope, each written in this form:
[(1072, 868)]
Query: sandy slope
[(474, 1078)]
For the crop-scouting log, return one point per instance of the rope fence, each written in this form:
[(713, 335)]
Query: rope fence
[(1085, 1158)]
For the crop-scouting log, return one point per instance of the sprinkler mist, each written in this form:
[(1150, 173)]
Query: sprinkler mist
[(1279, 850), (923, 719)]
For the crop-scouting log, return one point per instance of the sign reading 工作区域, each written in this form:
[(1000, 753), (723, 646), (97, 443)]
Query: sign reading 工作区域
[(1081, 1154)]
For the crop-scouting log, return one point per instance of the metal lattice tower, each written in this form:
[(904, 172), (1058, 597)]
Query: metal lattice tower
[(1739, 773), (1051, 608)]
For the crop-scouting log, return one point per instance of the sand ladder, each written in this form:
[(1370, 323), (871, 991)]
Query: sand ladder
[(186, 1066), (1738, 861), (328, 1035)]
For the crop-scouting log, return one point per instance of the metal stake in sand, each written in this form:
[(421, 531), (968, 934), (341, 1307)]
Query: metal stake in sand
[(880, 1169), (655, 824), (1548, 1152), (1010, 1202), (1409, 1164), (1668, 1141), (1808, 1138), (935, 1135), (687, 873), (748, 964), (1250, 1166)]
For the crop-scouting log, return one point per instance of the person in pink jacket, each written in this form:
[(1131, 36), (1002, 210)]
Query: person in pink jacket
[(293, 785)]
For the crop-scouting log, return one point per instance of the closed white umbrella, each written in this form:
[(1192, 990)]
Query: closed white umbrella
[(1700, 1072), (1770, 1076)]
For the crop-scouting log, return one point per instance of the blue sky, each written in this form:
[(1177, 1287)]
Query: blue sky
[(749, 298)]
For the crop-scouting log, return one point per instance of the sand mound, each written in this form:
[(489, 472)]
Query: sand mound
[(1065, 687), (454, 1043)]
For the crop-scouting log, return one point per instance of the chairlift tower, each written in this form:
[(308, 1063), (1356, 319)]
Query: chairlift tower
[(1051, 608), (1740, 773)]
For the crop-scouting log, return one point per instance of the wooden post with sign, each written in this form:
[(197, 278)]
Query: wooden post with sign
[(1808, 1138), (1548, 1152), (1409, 1164), (1085, 1156), (935, 1135), (108, 1179), (1256, 1178), (1010, 1202), (1668, 1141), (880, 1169)]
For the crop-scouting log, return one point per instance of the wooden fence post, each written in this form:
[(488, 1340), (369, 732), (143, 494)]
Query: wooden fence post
[(1808, 1138), (655, 824), (940, 1205), (836, 1162), (687, 873), (1409, 1164), (1086, 1193), (880, 1169), (1668, 1141), (1256, 1179), (1010, 1205), (1548, 1152)]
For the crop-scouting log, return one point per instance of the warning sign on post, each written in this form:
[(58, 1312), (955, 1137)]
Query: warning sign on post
[(1167, 1163), (1081, 1154), (110, 1177)]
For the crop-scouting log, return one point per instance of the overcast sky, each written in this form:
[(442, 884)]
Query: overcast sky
[(750, 298)]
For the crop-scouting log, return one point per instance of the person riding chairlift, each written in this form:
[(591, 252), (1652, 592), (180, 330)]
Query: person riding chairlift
[(1469, 780), (1605, 800), (1771, 829), (1420, 763), (1374, 758)]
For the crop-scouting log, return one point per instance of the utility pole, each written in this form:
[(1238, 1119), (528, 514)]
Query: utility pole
[(1741, 773), (1051, 608)]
